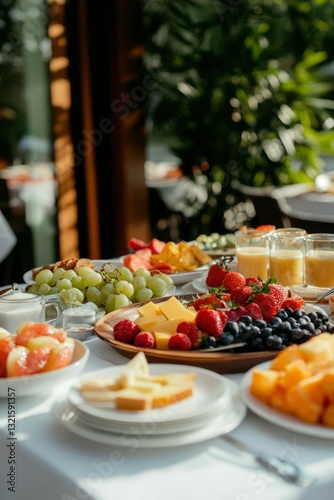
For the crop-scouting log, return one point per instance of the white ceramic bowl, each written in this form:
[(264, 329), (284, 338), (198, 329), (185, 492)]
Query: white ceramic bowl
[(45, 382)]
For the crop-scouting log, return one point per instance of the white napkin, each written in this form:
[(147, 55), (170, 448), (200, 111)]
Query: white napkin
[(7, 238)]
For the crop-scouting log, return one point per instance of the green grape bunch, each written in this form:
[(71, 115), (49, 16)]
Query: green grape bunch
[(109, 288)]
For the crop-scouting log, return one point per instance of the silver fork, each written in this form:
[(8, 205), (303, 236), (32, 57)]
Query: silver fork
[(322, 296), (285, 469)]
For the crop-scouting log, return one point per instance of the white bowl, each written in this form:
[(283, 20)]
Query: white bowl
[(45, 382)]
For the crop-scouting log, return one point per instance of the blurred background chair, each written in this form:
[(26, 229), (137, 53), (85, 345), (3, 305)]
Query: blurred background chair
[(266, 202), (303, 207)]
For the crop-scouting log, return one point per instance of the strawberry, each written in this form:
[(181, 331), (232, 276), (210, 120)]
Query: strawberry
[(208, 300), (144, 339), (235, 314), (293, 302), (254, 310), (250, 281), (269, 304), (241, 294), (215, 275), (125, 331), (179, 342), (210, 321), (278, 291), (232, 280)]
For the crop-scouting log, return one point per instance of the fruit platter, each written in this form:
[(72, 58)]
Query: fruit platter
[(190, 329)]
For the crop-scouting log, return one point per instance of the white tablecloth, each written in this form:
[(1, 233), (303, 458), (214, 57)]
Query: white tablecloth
[(54, 464)]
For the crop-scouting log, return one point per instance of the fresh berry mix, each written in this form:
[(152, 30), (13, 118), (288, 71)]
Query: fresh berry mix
[(259, 314), (287, 327), (125, 331)]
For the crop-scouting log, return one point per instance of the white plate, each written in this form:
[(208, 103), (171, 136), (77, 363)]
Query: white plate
[(209, 389), (276, 417), (45, 382), (224, 423), (157, 428), (27, 277), (199, 285), (187, 277)]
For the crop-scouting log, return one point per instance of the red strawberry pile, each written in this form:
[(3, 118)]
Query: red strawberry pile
[(259, 314)]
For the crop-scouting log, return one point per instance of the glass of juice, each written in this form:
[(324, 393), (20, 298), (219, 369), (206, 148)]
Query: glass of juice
[(286, 260), (252, 253), (319, 260)]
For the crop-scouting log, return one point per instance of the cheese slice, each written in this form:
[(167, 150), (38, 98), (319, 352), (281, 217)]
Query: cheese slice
[(137, 367), (173, 308), (146, 323), (149, 309), (161, 340)]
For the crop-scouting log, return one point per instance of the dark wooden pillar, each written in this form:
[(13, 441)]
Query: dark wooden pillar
[(107, 129)]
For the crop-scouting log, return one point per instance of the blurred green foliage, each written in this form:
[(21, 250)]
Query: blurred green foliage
[(243, 91)]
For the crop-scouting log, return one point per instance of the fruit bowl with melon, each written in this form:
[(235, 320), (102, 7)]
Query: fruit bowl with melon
[(37, 358), (176, 259)]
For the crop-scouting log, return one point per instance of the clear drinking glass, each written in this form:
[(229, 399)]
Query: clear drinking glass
[(319, 260), (252, 253), (287, 253)]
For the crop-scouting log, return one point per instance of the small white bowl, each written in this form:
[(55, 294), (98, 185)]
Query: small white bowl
[(79, 332), (40, 383)]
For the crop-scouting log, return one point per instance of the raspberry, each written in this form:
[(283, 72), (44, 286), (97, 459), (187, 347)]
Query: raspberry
[(215, 275), (191, 330), (210, 321), (294, 303), (233, 279), (241, 294), (179, 342), (144, 339), (186, 327), (125, 331)]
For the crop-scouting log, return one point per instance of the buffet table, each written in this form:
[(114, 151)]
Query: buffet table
[(53, 463)]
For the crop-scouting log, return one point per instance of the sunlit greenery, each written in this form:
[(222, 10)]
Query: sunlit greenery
[(244, 90)]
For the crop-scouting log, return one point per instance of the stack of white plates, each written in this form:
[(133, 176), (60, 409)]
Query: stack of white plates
[(215, 408)]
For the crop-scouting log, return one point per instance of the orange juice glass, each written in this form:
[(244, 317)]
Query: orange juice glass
[(287, 257), (319, 260), (252, 253)]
